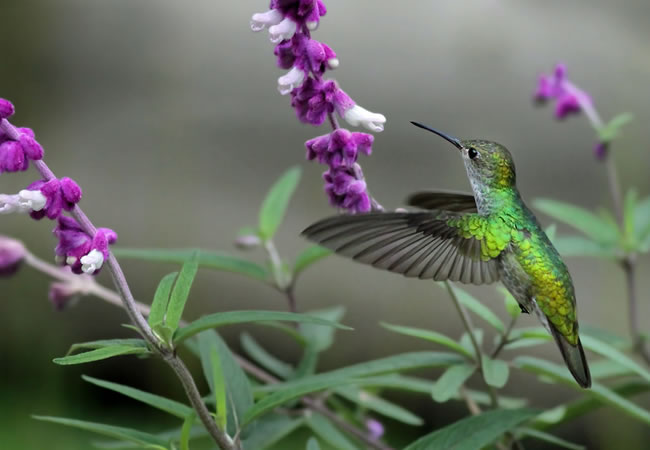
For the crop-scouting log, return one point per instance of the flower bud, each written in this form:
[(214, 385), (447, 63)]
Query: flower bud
[(12, 253)]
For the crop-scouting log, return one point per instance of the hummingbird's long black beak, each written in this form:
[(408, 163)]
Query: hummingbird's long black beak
[(453, 140)]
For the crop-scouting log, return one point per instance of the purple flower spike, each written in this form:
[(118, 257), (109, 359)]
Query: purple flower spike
[(83, 253), (346, 189), (60, 194), (12, 157), (61, 294), (569, 98), (16, 154), (339, 148), (306, 12), (6, 109), (12, 253)]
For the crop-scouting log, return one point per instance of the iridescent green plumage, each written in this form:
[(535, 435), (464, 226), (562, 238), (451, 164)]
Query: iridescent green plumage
[(480, 238)]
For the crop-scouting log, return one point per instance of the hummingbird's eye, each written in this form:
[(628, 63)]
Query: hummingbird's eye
[(472, 153)]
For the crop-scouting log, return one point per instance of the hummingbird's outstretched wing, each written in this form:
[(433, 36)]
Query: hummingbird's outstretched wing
[(427, 245), (443, 200)]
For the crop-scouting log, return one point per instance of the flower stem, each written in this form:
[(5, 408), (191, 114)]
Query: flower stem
[(168, 355)]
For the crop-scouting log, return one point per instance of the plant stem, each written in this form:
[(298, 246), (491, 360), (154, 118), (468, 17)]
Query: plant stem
[(128, 302)]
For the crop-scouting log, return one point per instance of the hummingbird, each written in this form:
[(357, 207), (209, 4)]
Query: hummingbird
[(479, 238)]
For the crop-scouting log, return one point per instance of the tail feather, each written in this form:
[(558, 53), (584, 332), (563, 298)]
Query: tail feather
[(574, 357)]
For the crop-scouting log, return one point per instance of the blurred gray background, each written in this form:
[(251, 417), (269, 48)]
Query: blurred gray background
[(168, 116)]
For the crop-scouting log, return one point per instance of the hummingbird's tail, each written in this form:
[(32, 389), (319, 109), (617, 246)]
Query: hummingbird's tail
[(574, 357)]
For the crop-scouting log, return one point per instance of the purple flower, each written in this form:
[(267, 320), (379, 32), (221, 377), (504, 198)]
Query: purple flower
[(375, 429), (17, 147), (6, 109), (339, 148), (61, 294), (61, 195), (346, 189), (568, 97), (306, 12), (12, 253), (83, 253)]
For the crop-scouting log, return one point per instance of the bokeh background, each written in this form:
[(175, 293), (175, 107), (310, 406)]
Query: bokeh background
[(168, 116)]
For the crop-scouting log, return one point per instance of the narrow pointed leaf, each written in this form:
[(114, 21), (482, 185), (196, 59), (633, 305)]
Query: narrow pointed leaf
[(547, 437), (234, 317), (99, 354), (320, 336), (219, 390), (145, 440), (611, 129), (181, 292), (582, 246), (450, 381), (495, 371), (428, 335), (597, 390), (262, 357), (473, 432), (580, 219), (584, 405), (379, 405), (328, 432), (102, 343), (271, 429), (164, 404), (629, 218), (284, 392), (186, 431), (237, 386), (478, 308), (275, 204), (208, 260), (642, 219), (161, 300), (606, 368), (308, 257)]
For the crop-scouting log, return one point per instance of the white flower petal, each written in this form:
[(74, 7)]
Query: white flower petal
[(290, 81), (33, 200), (92, 262), (9, 204), (333, 63), (260, 21), (71, 260), (284, 30), (312, 25), (359, 116)]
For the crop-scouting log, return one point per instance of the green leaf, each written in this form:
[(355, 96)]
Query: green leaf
[(186, 431), (309, 256), (322, 336), (466, 342), (164, 404), (99, 354), (219, 390), (285, 392), (546, 437), (269, 430), (145, 440), (605, 368), (450, 381), (379, 405), (629, 218), (614, 354), (611, 129), (642, 219), (577, 408), (328, 432), (208, 260), (264, 358), (102, 343), (312, 444), (473, 432), (275, 204), (551, 232), (238, 389), (428, 335), (615, 340), (478, 308), (234, 317), (161, 300), (582, 246), (599, 391), (579, 218), (495, 371), (181, 292)]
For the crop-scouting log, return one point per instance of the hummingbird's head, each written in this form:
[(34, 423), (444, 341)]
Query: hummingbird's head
[(488, 164)]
